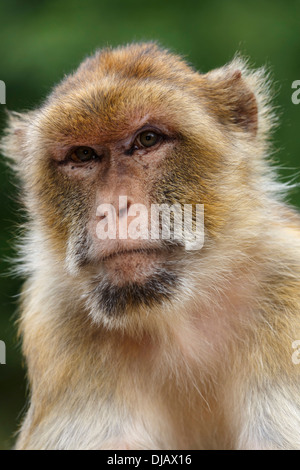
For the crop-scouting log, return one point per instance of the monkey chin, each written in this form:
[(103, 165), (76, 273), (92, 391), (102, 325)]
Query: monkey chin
[(133, 280)]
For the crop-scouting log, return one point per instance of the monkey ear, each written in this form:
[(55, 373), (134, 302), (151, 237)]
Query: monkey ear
[(231, 94), (12, 145)]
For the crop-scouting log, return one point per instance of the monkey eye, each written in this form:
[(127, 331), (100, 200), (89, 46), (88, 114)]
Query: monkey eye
[(148, 138), (83, 154)]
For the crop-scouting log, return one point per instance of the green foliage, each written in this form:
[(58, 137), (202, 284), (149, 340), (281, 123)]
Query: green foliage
[(41, 40)]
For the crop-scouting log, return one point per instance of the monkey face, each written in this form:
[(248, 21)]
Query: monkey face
[(123, 165), (132, 127)]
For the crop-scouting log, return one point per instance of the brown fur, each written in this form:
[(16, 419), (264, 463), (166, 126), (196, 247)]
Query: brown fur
[(211, 366)]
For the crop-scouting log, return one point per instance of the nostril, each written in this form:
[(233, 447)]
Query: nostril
[(102, 212), (124, 210)]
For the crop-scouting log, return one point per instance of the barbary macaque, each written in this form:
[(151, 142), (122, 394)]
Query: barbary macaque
[(145, 343)]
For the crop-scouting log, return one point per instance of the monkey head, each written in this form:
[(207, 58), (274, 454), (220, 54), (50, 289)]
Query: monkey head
[(134, 126)]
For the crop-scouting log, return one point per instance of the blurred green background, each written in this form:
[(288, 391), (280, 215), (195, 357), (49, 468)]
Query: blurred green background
[(41, 40)]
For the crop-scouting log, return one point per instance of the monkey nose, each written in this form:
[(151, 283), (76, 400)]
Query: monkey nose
[(124, 208)]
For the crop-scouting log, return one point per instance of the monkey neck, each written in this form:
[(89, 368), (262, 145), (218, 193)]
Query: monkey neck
[(61, 341)]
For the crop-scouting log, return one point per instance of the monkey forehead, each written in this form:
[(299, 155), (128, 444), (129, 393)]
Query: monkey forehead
[(109, 110), (112, 91), (116, 91)]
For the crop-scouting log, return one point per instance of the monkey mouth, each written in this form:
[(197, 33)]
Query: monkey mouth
[(146, 252), (133, 279), (136, 266), (133, 265)]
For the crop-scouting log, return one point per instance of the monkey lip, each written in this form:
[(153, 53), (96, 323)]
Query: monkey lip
[(133, 265), (141, 252)]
